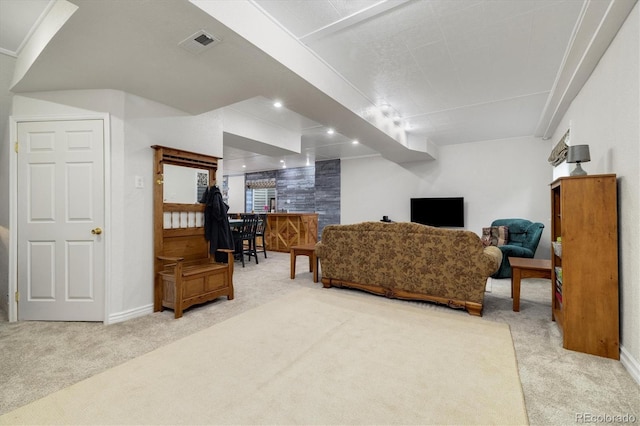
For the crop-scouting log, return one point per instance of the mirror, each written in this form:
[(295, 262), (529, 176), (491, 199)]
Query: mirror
[(184, 185)]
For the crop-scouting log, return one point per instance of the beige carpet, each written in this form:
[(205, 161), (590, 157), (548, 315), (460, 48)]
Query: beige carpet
[(308, 357)]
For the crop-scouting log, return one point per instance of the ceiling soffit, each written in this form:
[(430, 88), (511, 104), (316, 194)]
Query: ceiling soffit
[(597, 27)]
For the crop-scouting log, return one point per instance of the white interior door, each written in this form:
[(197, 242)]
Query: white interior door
[(61, 250)]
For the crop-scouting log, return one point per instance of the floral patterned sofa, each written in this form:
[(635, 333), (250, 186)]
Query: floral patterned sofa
[(409, 261)]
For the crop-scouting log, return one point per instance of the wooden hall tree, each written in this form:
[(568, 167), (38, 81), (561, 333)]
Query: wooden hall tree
[(185, 273)]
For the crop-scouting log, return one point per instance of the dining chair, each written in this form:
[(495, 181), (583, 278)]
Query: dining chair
[(262, 226), (244, 237)]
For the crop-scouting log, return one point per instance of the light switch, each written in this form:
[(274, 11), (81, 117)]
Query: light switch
[(139, 182)]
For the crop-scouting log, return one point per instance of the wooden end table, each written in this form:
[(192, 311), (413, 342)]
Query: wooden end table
[(526, 268), (305, 250)]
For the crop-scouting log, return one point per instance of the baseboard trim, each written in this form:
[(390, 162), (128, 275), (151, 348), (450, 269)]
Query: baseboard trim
[(630, 363), (130, 314)]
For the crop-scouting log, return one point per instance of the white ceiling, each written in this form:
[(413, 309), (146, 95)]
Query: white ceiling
[(447, 71), (458, 71)]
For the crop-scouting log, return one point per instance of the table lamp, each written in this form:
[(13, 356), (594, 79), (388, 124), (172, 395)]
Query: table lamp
[(578, 154)]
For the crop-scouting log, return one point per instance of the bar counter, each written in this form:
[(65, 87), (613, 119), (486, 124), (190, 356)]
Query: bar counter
[(285, 230)]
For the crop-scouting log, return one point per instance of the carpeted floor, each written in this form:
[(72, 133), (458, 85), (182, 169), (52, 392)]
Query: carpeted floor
[(560, 386), (309, 357)]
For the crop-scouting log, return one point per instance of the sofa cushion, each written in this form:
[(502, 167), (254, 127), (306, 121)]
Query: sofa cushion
[(495, 236)]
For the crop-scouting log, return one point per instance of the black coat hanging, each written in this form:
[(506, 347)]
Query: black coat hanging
[(216, 223)]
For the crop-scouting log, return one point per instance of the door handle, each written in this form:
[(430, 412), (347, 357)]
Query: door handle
[(96, 231)]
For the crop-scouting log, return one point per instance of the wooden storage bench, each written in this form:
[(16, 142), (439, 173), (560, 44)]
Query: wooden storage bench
[(184, 284)]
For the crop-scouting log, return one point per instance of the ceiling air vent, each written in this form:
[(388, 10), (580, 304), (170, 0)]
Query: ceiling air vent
[(199, 42)]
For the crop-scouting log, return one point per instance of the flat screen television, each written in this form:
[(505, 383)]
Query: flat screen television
[(442, 212)]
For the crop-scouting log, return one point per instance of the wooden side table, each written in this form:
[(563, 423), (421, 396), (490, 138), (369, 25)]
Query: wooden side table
[(305, 250), (526, 268)]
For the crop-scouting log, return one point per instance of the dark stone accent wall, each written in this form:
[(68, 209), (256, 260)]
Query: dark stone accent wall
[(308, 189), (327, 193), (295, 189)]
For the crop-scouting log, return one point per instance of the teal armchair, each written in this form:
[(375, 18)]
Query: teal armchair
[(523, 240)]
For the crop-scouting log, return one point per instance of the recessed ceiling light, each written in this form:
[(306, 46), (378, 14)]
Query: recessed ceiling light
[(331, 131), (355, 142), (244, 166), (282, 161), (277, 104)]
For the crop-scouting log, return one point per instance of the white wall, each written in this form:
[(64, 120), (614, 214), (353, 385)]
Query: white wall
[(136, 124), (606, 116), (7, 64), (236, 193), (149, 123), (498, 179)]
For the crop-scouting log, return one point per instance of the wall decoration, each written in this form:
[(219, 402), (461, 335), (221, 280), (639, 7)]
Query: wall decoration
[(261, 183), (203, 179), (202, 183), (559, 152)]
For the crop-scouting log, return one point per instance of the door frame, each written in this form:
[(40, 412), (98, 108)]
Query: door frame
[(13, 202)]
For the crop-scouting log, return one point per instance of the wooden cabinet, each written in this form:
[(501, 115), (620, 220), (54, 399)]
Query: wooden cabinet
[(285, 230), (585, 263)]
